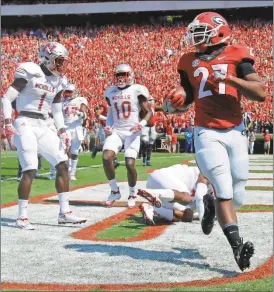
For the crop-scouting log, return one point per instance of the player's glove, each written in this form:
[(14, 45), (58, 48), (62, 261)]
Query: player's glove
[(137, 128), (177, 97), (10, 130), (65, 138), (108, 130)]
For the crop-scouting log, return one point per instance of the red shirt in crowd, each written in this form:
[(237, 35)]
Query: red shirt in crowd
[(267, 137), (174, 139), (169, 130)]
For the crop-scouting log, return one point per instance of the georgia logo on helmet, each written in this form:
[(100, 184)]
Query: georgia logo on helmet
[(207, 29), (69, 91), (123, 75), (55, 57)]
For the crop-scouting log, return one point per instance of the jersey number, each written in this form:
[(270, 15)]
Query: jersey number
[(204, 71), (126, 108), (42, 99)]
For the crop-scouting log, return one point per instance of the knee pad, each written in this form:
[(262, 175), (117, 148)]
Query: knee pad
[(187, 216)]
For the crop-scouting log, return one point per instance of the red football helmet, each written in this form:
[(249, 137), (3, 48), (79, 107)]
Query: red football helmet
[(207, 29)]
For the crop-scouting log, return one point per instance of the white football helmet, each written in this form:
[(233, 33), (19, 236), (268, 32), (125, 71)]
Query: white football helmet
[(55, 57), (123, 75), (70, 91)]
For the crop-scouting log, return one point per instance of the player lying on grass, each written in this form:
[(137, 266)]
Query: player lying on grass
[(174, 193)]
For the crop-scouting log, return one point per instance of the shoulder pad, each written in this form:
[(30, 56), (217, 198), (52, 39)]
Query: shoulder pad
[(242, 52), (142, 90), (64, 82), (185, 61), (28, 70), (109, 90), (83, 100)]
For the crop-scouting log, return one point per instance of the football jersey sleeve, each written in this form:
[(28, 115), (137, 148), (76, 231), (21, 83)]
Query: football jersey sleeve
[(244, 53), (142, 90), (83, 100), (27, 70)]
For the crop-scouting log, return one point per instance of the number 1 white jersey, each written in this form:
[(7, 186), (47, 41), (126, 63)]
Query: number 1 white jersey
[(71, 109), (125, 105), (40, 90)]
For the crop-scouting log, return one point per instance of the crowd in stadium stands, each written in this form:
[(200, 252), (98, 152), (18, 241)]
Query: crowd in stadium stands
[(17, 2), (153, 53)]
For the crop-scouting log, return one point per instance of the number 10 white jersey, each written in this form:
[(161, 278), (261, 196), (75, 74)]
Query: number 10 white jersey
[(125, 105), (40, 90)]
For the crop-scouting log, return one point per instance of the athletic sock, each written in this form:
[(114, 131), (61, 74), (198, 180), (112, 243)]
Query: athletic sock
[(64, 202), (23, 208), (113, 185), (231, 232), (73, 166), (149, 150), (165, 213), (132, 191)]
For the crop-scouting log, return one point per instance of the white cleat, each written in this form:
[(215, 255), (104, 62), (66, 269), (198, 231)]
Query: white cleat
[(24, 223), (152, 198), (112, 198), (131, 202), (52, 177), (69, 217), (148, 213), (72, 177)]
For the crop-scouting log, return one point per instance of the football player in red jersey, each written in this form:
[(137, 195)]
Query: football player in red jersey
[(215, 77)]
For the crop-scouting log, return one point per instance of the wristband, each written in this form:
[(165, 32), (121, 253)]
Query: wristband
[(102, 118), (143, 123)]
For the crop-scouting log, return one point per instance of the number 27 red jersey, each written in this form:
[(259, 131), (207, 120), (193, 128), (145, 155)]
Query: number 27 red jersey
[(216, 105)]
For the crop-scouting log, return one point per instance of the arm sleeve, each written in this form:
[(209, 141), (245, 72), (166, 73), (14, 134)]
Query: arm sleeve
[(185, 83), (244, 68), (8, 98), (58, 115)]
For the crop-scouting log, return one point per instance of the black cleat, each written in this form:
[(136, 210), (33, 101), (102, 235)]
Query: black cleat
[(243, 253), (148, 163), (94, 152), (209, 215)]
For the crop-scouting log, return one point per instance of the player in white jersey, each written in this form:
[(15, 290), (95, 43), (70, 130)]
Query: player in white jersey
[(75, 112), (148, 137), (123, 127), (37, 89), (175, 192)]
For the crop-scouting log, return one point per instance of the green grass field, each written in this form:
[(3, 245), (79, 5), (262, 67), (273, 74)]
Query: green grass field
[(92, 172)]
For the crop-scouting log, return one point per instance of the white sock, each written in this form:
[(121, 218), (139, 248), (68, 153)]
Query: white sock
[(165, 194), (73, 166), (113, 185), (165, 213), (64, 202), (23, 208), (69, 164), (132, 191)]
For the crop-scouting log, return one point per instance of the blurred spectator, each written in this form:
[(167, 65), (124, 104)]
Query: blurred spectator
[(174, 141), (169, 132), (189, 141), (267, 139), (251, 140)]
